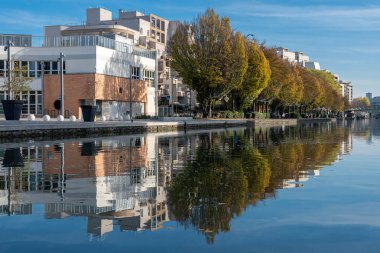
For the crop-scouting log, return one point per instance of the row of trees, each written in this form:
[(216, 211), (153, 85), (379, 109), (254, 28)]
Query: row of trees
[(228, 69)]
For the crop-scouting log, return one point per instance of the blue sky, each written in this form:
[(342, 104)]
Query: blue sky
[(343, 35)]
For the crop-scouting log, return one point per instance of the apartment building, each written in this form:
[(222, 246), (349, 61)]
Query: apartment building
[(346, 89), (297, 58), (147, 31), (96, 68)]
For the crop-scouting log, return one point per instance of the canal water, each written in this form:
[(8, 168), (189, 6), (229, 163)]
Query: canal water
[(310, 188)]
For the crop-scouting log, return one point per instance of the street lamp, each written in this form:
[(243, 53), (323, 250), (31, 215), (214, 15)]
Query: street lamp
[(252, 37), (130, 93), (8, 49), (61, 58)]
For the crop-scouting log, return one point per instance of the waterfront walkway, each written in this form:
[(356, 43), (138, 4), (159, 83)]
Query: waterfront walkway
[(51, 129)]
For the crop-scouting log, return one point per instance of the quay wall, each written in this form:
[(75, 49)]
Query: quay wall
[(14, 131)]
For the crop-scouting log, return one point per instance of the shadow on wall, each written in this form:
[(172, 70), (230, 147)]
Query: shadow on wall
[(116, 90)]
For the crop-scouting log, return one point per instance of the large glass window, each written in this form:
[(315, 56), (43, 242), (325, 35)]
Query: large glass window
[(153, 22), (135, 73), (16, 68), (2, 68), (47, 67), (32, 69), (39, 102), (39, 69), (149, 76), (54, 68), (24, 68)]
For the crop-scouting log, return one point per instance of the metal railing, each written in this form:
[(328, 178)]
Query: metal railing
[(91, 40)]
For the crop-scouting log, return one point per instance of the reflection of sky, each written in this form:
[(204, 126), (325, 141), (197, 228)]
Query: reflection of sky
[(335, 212)]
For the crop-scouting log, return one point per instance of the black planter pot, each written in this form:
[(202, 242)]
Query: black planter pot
[(12, 109), (88, 112), (88, 149), (13, 158)]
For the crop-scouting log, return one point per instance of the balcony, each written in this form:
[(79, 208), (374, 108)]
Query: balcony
[(91, 40)]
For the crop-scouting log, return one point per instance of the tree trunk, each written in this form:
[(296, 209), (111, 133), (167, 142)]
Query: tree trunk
[(209, 109)]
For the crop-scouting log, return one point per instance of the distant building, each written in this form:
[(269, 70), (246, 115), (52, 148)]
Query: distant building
[(313, 65), (285, 54), (18, 40), (375, 104), (346, 89), (369, 96)]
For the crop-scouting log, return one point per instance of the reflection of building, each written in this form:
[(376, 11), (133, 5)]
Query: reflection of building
[(112, 182), (300, 178)]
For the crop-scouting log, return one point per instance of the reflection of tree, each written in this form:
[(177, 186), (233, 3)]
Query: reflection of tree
[(230, 172), (217, 186)]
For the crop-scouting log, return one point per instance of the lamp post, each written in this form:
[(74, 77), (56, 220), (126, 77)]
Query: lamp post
[(61, 58), (130, 93), (8, 49)]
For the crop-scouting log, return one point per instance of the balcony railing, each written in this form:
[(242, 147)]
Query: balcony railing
[(91, 40)]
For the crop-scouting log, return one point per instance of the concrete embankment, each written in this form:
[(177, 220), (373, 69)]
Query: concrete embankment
[(38, 129)]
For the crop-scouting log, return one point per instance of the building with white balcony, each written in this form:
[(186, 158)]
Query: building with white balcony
[(96, 68), (346, 89)]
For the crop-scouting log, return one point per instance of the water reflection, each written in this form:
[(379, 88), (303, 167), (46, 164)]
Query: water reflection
[(202, 180)]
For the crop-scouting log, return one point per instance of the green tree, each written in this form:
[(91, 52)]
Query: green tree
[(361, 102), (255, 79), (210, 57)]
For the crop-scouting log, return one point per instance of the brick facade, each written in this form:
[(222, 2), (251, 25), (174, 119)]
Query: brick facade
[(88, 87)]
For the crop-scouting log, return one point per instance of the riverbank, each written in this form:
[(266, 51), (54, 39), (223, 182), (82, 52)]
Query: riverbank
[(15, 130)]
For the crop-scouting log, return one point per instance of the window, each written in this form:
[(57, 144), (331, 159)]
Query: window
[(163, 37), (162, 25), (2, 68), (153, 34), (158, 24), (135, 73), (153, 22), (149, 76), (32, 69), (54, 68), (24, 68), (39, 69), (47, 67), (17, 68)]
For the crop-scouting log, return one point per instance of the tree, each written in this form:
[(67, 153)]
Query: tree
[(361, 102), (255, 79), (210, 57), (313, 92), (19, 81)]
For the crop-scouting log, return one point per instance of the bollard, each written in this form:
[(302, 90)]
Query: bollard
[(60, 118), (73, 118), (31, 117), (46, 118)]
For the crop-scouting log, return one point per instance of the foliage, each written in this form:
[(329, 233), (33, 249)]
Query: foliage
[(210, 57), (255, 79), (361, 102), (223, 67), (18, 82)]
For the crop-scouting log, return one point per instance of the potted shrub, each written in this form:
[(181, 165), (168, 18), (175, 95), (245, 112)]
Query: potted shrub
[(14, 85), (89, 111)]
